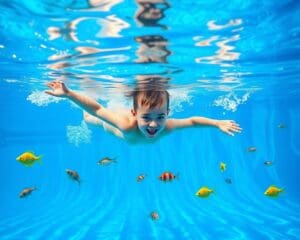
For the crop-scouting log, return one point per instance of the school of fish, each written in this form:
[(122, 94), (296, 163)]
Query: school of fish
[(29, 158)]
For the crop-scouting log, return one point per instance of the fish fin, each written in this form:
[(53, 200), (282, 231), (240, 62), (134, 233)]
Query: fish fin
[(28, 164), (39, 159)]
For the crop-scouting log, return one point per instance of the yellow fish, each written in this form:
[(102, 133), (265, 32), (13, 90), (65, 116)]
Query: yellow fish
[(204, 192), (223, 166), (28, 158), (273, 191)]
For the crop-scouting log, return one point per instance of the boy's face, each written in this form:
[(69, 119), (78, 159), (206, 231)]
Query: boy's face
[(151, 121)]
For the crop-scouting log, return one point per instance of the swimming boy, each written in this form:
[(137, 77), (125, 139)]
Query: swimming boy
[(147, 120)]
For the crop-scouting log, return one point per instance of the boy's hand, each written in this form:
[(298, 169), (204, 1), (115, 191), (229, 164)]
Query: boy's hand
[(59, 89), (228, 126)]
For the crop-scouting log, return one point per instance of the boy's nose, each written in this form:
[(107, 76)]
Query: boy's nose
[(153, 124)]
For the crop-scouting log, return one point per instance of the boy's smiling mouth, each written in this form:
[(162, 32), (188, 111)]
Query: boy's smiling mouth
[(151, 131)]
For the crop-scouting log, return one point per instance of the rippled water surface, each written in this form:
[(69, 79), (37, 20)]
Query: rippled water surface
[(219, 59)]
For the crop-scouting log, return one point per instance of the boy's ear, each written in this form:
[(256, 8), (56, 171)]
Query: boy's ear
[(133, 112)]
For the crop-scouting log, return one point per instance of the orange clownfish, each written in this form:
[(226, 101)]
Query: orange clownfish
[(167, 176)]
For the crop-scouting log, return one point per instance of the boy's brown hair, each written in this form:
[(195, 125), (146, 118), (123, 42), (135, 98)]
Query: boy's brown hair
[(151, 93)]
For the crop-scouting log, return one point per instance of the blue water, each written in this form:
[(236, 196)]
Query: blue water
[(225, 60)]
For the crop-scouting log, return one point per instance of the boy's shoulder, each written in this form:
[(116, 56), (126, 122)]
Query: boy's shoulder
[(131, 124)]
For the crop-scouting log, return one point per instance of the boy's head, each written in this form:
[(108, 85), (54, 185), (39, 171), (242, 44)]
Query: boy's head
[(151, 108), (150, 98)]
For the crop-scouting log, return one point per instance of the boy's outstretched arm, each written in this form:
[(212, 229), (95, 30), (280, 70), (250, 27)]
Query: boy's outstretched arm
[(226, 126), (59, 89)]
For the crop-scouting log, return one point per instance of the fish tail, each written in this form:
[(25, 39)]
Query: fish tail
[(177, 176)]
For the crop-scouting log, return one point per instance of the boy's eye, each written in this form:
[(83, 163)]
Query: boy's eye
[(161, 117)]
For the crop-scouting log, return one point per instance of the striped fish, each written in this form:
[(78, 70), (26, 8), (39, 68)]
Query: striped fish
[(167, 176)]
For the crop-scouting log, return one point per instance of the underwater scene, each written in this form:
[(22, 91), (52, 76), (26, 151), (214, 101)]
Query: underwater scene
[(150, 119)]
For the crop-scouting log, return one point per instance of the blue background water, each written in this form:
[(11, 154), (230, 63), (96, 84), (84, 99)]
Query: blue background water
[(236, 60)]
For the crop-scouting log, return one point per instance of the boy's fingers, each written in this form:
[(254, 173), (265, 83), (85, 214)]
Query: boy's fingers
[(49, 92), (237, 128), (230, 133), (51, 84)]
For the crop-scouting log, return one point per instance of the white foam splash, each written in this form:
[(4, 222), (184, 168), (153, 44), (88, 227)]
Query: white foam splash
[(42, 99), (120, 103), (11, 81), (178, 97), (79, 134), (231, 101)]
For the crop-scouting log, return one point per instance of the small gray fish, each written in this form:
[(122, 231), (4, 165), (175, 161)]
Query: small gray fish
[(154, 216), (281, 125), (26, 191), (106, 161), (251, 149), (228, 180), (268, 163), (73, 175)]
